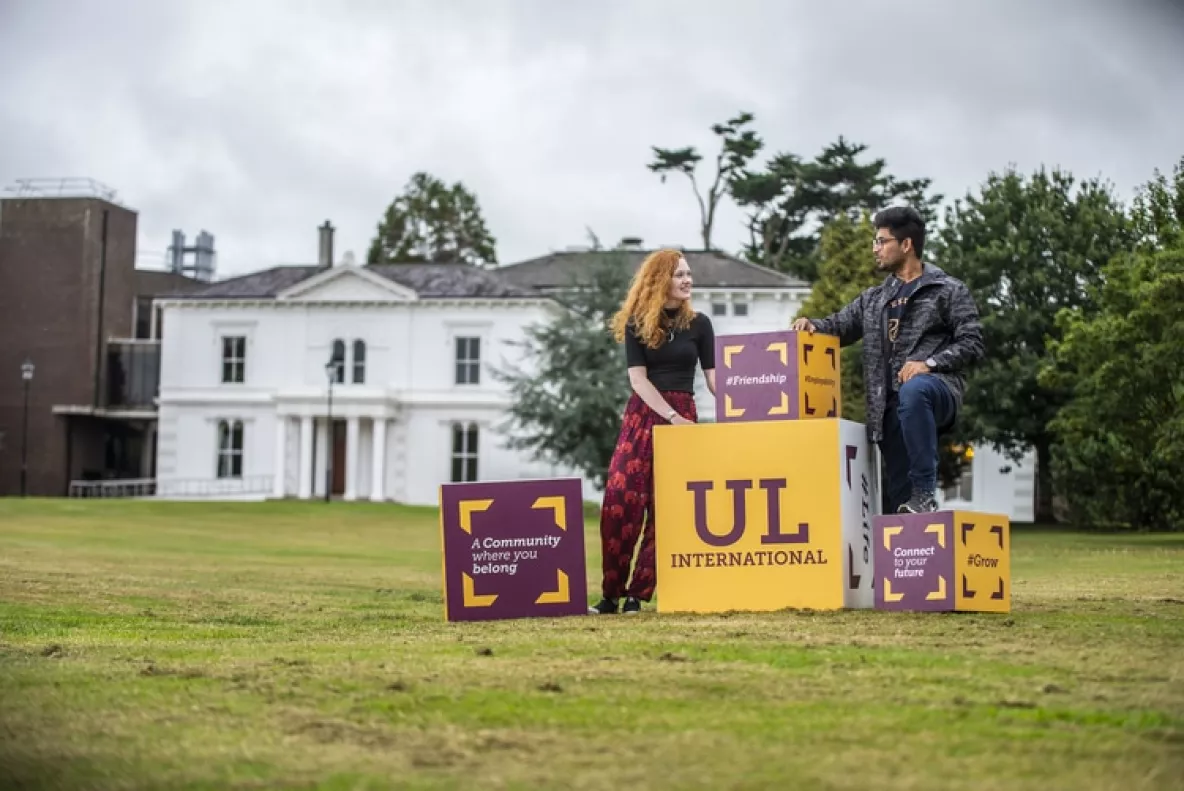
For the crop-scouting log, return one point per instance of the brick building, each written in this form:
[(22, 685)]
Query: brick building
[(73, 304)]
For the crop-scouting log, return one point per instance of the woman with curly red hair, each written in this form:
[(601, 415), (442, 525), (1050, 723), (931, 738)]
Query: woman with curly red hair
[(664, 340)]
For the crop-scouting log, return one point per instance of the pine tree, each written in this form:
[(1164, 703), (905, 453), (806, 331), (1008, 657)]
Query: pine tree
[(432, 222), (791, 200)]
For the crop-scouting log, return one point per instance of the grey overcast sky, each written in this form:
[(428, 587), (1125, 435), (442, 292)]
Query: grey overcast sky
[(259, 120)]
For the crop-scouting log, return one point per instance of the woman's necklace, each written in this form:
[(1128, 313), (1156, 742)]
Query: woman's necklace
[(669, 320)]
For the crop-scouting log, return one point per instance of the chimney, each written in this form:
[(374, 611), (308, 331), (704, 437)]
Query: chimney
[(630, 243), (325, 247)]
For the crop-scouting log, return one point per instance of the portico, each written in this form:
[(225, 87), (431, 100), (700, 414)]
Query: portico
[(357, 444)]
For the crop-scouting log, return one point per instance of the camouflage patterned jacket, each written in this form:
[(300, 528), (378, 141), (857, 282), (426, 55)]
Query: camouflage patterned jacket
[(940, 322)]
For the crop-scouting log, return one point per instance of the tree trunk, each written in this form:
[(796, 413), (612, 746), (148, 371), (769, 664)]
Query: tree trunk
[(1044, 493)]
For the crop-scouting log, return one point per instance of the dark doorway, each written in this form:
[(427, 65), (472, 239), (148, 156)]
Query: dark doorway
[(338, 457)]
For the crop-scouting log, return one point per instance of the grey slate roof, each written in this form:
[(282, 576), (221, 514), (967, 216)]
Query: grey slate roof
[(527, 279), (451, 280), (257, 285), (711, 269), (430, 281)]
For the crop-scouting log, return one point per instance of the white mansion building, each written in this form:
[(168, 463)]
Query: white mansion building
[(245, 401)]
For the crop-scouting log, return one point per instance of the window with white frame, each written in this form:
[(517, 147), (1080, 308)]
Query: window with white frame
[(230, 449), (468, 361), (359, 365), (234, 359), (739, 308), (719, 308), (464, 452)]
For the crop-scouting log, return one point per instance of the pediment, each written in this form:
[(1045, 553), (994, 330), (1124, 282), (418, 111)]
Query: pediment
[(347, 284)]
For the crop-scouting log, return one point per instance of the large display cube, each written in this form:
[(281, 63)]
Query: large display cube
[(943, 561), (759, 516)]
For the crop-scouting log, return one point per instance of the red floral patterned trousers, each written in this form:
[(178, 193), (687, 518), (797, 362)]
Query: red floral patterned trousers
[(628, 499)]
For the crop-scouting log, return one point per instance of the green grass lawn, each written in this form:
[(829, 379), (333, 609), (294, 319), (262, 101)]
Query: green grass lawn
[(284, 645)]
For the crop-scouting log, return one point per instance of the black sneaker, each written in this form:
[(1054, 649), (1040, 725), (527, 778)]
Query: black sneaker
[(604, 607), (632, 606), (919, 503)]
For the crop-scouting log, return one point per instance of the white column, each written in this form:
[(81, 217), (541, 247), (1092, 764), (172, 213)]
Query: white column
[(323, 430), (305, 483), (148, 459), (378, 458), (351, 459), (281, 430)]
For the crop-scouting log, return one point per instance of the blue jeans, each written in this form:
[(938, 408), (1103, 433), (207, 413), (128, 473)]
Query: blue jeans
[(912, 420)]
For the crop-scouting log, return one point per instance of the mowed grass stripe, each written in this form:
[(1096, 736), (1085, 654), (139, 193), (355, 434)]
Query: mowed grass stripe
[(299, 645)]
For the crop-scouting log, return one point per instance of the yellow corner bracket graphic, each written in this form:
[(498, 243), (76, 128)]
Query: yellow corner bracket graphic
[(940, 530), (467, 509), (940, 593), (782, 349), (729, 351), (730, 410), (888, 594), (557, 504), (561, 596), (470, 597), (783, 408), (889, 532)]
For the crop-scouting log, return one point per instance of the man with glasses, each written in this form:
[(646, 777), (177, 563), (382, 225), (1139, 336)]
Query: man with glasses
[(921, 332)]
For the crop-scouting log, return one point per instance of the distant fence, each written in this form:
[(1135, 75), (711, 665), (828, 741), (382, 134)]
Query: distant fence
[(182, 489)]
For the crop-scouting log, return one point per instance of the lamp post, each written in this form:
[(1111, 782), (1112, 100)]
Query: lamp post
[(27, 377), (330, 372)]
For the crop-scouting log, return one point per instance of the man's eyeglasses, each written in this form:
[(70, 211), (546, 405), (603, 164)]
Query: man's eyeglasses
[(880, 241)]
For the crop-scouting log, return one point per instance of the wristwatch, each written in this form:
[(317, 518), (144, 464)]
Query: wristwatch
[(670, 415), (932, 363)]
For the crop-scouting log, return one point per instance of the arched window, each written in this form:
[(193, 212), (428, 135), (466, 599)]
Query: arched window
[(359, 362), (338, 360), (464, 452), (230, 449)]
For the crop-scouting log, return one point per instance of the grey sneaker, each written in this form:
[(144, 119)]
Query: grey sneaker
[(919, 503)]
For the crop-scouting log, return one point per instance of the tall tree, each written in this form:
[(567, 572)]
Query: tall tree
[(1120, 455), (1027, 247), (432, 222), (567, 396), (791, 200), (737, 146), (776, 213), (1119, 458)]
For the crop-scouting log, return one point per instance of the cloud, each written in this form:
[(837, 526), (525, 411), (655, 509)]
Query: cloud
[(258, 121)]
